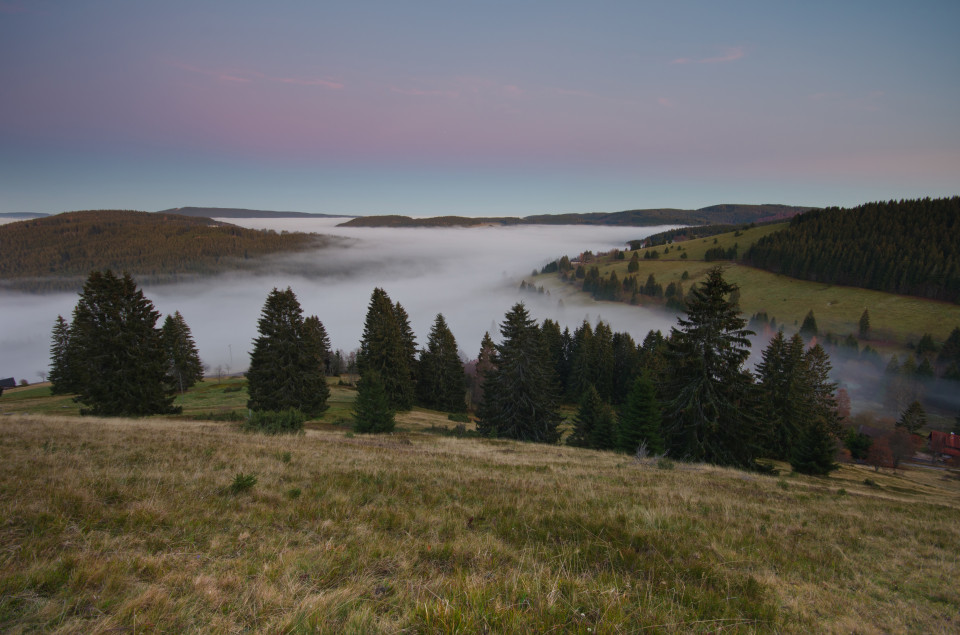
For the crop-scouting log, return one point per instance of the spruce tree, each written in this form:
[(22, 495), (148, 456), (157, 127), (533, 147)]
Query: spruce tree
[(315, 336), (809, 327), (640, 420), (117, 354), (815, 450), (913, 419), (483, 367), (865, 324), (386, 349), (62, 378), (371, 409), (184, 366), (519, 395), (285, 371), (709, 413), (442, 383), (586, 419), (950, 350)]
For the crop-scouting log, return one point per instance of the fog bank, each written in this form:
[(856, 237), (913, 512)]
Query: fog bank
[(471, 275)]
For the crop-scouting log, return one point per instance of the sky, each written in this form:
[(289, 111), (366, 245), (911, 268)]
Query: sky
[(475, 108)]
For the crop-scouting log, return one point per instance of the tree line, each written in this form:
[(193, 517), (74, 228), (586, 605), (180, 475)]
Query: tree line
[(908, 247), (687, 394)]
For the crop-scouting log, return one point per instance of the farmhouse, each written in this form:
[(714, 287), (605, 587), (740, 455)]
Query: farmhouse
[(945, 443)]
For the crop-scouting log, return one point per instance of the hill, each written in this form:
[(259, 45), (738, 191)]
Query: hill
[(21, 215), (906, 247), (716, 214), (234, 212), (897, 320), (58, 252), (111, 525)]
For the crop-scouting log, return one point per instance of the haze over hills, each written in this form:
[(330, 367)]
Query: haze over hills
[(235, 212), (712, 215)]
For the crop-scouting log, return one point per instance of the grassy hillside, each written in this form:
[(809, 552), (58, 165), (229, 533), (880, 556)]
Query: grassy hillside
[(120, 525), (895, 319), (58, 252)]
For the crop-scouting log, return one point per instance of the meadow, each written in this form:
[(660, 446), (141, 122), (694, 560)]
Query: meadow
[(195, 526), (896, 320)]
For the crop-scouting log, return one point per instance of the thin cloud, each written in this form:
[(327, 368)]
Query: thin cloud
[(251, 76), (325, 83), (420, 92), (731, 55), (666, 103)]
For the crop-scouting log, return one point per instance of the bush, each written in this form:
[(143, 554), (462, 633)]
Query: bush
[(664, 463), (288, 421), (243, 482), (459, 417)]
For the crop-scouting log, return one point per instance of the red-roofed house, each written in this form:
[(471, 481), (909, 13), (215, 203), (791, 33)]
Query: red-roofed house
[(945, 443)]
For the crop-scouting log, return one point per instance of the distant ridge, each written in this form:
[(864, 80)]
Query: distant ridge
[(21, 215), (713, 215), (234, 212)]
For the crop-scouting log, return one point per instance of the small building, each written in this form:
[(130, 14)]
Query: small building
[(8, 382), (945, 443)]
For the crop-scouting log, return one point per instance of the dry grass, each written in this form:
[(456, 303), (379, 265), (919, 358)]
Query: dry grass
[(126, 525)]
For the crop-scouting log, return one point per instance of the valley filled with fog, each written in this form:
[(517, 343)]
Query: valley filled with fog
[(471, 275)]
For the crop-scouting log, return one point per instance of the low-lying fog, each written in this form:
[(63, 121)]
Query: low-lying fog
[(471, 275)]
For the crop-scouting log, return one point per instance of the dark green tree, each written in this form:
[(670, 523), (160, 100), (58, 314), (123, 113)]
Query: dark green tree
[(950, 350), (119, 363), (285, 370), (587, 420), (371, 409), (183, 360), (62, 379), (913, 419), (385, 349), (640, 420), (409, 341), (709, 410), (926, 345), (634, 265), (809, 327), (519, 395), (315, 336), (815, 450), (442, 383), (865, 324)]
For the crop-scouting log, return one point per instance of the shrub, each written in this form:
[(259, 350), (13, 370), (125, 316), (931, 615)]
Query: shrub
[(664, 463), (243, 482), (288, 421), (459, 417)]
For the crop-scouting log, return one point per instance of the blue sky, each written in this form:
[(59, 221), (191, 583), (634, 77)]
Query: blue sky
[(493, 108)]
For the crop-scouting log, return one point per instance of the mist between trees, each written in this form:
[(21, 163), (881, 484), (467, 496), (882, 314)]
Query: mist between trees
[(687, 394)]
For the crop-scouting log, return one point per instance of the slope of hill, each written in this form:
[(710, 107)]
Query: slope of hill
[(233, 212), (110, 525), (58, 252), (907, 247), (716, 214)]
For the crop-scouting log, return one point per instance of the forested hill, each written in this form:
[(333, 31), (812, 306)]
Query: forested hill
[(715, 214), (906, 247), (58, 252), (234, 212)]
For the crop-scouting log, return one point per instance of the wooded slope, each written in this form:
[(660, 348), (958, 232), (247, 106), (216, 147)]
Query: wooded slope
[(51, 252), (905, 247)]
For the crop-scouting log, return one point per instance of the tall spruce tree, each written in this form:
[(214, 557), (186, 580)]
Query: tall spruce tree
[(808, 328), (519, 393), (593, 425), (284, 370), (442, 383), (865, 324), (183, 360), (117, 354), (913, 419), (371, 409), (316, 338), (62, 372), (814, 450), (640, 420), (385, 349), (709, 414)]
